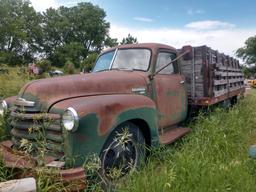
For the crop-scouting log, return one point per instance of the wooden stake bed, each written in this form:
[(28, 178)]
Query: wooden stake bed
[(211, 76)]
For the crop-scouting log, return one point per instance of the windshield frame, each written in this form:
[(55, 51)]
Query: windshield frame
[(114, 56)]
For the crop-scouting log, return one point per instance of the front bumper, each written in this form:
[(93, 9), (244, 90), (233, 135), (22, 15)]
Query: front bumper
[(15, 159)]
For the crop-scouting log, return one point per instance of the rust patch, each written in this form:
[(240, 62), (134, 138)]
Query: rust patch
[(107, 107), (108, 82), (206, 101), (75, 178), (10, 100), (15, 159)]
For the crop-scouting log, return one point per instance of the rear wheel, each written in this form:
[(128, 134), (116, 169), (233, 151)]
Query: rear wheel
[(123, 152), (226, 104), (234, 100)]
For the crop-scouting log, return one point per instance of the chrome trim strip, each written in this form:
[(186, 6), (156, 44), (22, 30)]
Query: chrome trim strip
[(5, 105), (23, 102), (139, 90)]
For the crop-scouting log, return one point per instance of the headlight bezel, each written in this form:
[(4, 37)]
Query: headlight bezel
[(3, 107), (71, 112)]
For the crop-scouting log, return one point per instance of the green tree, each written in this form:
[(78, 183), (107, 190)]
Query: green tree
[(72, 33), (88, 63), (56, 29), (20, 31), (111, 42), (72, 52), (249, 71), (129, 40), (248, 52), (44, 64), (69, 67)]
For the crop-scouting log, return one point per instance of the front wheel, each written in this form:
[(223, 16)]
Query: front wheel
[(123, 152)]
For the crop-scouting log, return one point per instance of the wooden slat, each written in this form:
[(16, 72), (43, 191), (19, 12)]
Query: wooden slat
[(220, 82)]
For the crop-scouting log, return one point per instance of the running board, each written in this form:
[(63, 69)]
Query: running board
[(173, 135)]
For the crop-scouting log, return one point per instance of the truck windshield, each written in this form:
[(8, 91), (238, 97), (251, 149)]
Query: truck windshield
[(124, 59)]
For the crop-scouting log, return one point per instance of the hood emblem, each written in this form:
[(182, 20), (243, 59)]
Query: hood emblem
[(23, 102), (139, 90)]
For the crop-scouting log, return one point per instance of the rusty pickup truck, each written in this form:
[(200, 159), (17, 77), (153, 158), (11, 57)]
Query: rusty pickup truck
[(136, 95)]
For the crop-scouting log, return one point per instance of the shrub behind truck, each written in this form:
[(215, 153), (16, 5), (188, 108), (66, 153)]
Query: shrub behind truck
[(136, 97)]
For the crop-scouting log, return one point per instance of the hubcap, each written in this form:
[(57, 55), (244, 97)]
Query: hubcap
[(119, 159)]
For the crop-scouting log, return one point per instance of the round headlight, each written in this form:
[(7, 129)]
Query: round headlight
[(70, 119), (3, 107)]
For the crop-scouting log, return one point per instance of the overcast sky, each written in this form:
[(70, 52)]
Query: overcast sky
[(221, 24)]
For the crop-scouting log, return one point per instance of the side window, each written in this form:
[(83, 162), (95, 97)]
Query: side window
[(164, 58)]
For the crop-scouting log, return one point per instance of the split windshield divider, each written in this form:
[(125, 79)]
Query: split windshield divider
[(113, 59)]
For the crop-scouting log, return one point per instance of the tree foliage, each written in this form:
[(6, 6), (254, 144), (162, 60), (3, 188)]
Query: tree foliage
[(248, 52), (129, 40), (72, 33), (62, 35), (249, 72), (88, 63), (69, 67), (20, 31), (44, 64)]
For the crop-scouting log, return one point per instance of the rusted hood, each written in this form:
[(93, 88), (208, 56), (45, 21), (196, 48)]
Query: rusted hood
[(48, 91)]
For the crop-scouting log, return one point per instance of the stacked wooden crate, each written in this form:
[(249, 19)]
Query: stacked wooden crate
[(210, 74)]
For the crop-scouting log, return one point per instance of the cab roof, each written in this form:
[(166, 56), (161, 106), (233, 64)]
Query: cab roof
[(154, 46)]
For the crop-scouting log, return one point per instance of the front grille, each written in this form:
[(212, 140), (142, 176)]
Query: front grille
[(37, 132)]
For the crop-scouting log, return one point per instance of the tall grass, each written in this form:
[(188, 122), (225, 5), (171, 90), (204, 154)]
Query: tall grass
[(11, 83), (214, 157)]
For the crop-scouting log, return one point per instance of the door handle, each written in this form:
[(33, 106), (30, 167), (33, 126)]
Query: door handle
[(182, 82)]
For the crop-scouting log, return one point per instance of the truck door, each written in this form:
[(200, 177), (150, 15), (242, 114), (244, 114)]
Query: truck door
[(170, 92)]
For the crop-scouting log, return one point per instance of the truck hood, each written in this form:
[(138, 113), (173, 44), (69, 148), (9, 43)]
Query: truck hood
[(48, 91)]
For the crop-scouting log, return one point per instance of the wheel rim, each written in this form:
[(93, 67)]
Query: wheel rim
[(119, 159)]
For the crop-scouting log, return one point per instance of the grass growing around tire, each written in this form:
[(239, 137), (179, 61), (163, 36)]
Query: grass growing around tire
[(214, 157)]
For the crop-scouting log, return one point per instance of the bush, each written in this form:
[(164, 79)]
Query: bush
[(44, 64), (69, 67), (88, 63)]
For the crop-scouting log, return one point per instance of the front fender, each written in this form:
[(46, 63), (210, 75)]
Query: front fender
[(10, 100), (99, 115)]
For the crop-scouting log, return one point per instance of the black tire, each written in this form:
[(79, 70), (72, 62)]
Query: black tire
[(226, 104), (124, 150), (233, 100)]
